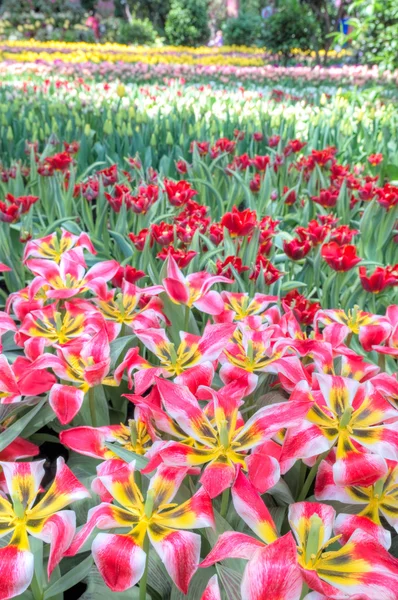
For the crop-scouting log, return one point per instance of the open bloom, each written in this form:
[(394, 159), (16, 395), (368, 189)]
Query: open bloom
[(191, 363), (353, 417), (136, 437), (69, 277), (194, 289), (223, 439), (85, 363), (45, 520), (378, 500), (239, 223), (121, 558), (54, 245), (251, 352), (281, 565), (127, 305), (372, 330), (340, 258)]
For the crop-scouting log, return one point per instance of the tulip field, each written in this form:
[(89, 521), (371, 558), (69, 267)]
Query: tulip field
[(198, 327)]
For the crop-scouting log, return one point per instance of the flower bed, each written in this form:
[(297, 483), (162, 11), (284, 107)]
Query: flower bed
[(199, 322)]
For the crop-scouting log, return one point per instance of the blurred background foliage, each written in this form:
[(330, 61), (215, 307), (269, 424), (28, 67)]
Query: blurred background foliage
[(368, 29)]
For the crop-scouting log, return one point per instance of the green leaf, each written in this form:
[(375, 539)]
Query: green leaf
[(127, 455), (9, 435), (70, 579), (231, 581)]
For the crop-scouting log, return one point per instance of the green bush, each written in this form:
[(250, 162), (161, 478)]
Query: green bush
[(187, 23), (136, 31), (245, 30), (375, 29), (291, 26)]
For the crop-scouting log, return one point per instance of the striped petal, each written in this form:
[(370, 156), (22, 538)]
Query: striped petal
[(182, 406), (217, 477), (58, 530), (251, 508), (89, 441), (23, 480), (64, 490), (345, 525), (66, 401), (181, 455), (103, 516), (165, 484), (273, 572), (212, 591), (358, 468), (269, 420), (179, 552), (232, 545), (263, 470), (119, 559), (195, 513), (362, 566), (120, 483), (16, 571)]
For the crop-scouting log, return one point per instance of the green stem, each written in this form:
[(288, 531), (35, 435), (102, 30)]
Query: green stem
[(186, 320), (381, 361), (304, 591), (311, 476), (303, 471), (224, 502), (91, 401), (144, 578)]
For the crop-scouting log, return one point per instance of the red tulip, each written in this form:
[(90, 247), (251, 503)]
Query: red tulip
[(60, 161), (239, 223), (378, 280), (340, 258), (375, 159), (296, 249), (179, 192)]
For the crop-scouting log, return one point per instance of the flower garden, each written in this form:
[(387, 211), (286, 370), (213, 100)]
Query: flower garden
[(199, 325)]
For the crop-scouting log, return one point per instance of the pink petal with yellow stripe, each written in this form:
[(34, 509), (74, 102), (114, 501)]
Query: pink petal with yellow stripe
[(179, 552), (57, 530), (64, 490), (251, 508), (23, 480), (345, 525)]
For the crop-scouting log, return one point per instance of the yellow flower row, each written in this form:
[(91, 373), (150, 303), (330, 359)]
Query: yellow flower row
[(77, 52)]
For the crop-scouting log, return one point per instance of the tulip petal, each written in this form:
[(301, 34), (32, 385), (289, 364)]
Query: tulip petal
[(58, 530), (195, 513), (232, 545), (64, 490), (251, 508), (345, 525), (119, 559), (66, 401), (23, 480), (179, 551), (273, 572), (217, 477), (212, 591), (16, 571)]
